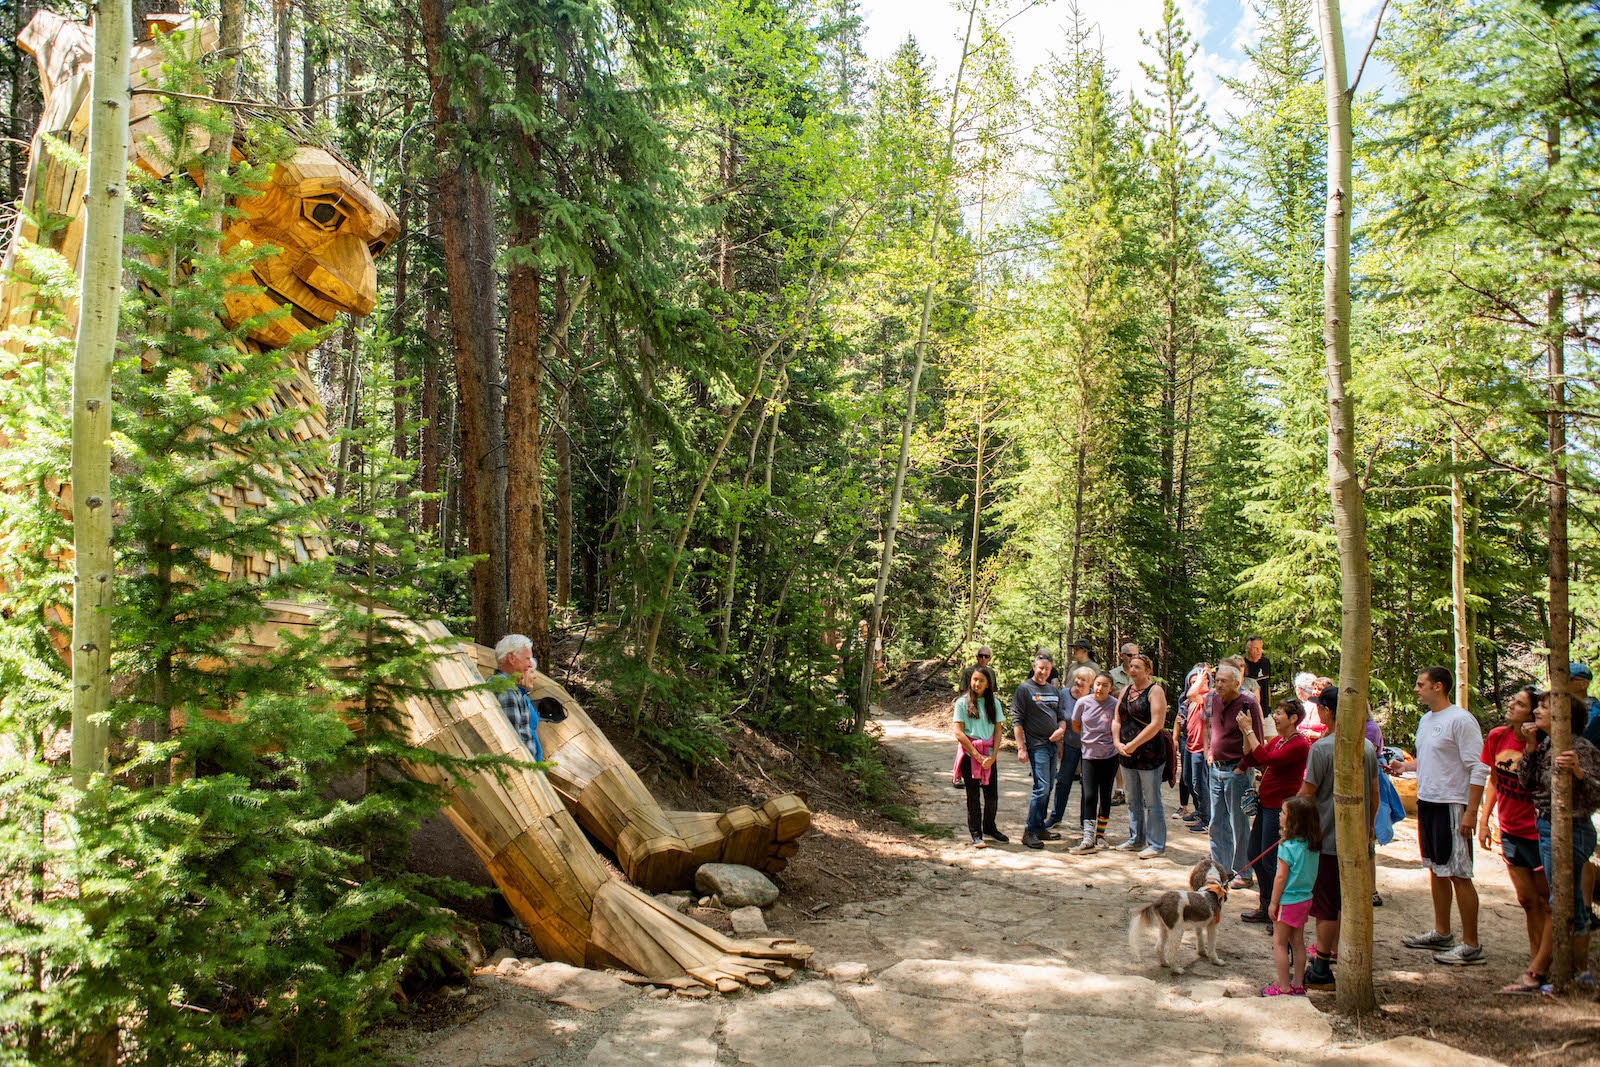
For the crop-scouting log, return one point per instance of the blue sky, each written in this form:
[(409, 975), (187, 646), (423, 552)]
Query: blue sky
[(1220, 27)]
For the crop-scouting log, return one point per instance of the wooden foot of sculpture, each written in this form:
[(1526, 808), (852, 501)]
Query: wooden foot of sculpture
[(656, 849), (573, 908)]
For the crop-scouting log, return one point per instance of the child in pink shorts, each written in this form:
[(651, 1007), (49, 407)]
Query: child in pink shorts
[(1299, 853)]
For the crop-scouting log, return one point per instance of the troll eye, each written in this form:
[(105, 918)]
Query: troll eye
[(325, 214)]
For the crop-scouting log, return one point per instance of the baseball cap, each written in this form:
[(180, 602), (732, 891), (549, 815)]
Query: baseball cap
[(1329, 698), (1043, 654), (1580, 670)]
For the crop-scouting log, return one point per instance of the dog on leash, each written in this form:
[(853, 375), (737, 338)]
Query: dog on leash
[(1198, 908)]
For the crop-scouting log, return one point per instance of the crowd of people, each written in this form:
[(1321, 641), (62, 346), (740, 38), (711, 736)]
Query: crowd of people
[(1264, 797)]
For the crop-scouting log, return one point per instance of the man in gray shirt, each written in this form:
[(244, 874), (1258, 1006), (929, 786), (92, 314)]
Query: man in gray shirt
[(1326, 901), (1040, 722)]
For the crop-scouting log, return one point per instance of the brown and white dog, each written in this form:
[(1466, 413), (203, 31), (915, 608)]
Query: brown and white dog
[(1198, 908)]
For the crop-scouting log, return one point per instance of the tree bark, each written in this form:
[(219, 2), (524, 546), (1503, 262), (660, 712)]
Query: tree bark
[(1561, 966), (463, 207), (429, 444), (101, 296), (529, 597), (886, 557), (281, 51), (562, 434), (1458, 576), (1355, 989)]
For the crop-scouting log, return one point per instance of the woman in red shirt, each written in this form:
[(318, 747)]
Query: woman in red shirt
[(1282, 760), (1509, 799)]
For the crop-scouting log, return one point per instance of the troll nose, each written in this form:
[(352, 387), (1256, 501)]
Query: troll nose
[(343, 272)]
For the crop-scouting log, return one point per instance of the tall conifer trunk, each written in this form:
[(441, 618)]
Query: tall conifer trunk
[(1561, 966), (1355, 991), (463, 210)]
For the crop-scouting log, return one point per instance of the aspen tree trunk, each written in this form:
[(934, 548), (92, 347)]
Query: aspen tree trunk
[(1458, 575), (93, 562), (886, 558), (726, 624), (1561, 966), (1355, 991)]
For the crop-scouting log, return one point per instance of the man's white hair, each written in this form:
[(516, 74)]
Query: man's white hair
[(1230, 669), (1130, 648), (1305, 680), (509, 644)]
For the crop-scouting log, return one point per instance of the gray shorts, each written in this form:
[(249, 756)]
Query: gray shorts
[(1446, 851)]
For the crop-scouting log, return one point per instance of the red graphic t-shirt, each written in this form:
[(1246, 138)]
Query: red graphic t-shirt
[(1502, 752)]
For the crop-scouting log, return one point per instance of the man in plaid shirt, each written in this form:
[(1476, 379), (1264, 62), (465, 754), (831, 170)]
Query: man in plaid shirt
[(513, 656)]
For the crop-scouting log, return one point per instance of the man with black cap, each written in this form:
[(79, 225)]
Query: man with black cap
[(1326, 902), (1040, 721)]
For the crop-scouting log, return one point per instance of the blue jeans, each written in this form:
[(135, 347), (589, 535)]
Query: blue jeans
[(1230, 826), (1042, 761), (1583, 842), (1199, 784), (1147, 822), (1264, 835), (1064, 776)]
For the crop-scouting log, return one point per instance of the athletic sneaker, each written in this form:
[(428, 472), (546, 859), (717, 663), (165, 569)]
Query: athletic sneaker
[(1118, 797), (1130, 845), (1152, 853), (978, 841), (1462, 956), (1199, 828), (1319, 974), (1433, 940), (1050, 835), (1377, 900), (996, 835)]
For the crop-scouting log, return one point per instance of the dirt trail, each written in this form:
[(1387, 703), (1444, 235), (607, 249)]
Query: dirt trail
[(996, 956)]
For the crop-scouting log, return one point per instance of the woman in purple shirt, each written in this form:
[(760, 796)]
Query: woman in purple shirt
[(1092, 717)]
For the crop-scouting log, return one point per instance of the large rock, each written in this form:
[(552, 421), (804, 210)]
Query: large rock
[(738, 886)]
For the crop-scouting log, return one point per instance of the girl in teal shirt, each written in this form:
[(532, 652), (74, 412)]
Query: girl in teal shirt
[(1299, 853)]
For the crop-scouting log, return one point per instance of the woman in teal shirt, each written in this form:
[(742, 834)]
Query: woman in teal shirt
[(977, 716)]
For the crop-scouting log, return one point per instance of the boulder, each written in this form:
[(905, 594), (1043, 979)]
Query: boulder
[(736, 885)]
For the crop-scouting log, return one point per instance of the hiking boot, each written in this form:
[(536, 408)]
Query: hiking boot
[(1462, 956), (1049, 835), (1259, 915), (1319, 974), (1432, 940), (1029, 840), (996, 835)]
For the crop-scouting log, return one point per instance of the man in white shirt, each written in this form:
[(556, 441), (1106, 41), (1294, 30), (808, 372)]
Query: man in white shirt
[(1450, 780)]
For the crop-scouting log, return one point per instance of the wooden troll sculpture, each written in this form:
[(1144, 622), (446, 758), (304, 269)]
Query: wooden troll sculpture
[(524, 826)]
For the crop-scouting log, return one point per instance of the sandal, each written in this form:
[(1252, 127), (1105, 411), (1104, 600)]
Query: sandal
[(1275, 990), (1297, 991), (1524, 987)]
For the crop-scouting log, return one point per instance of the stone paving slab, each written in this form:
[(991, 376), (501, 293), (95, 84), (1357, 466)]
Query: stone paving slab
[(672, 1034), (801, 1025)]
